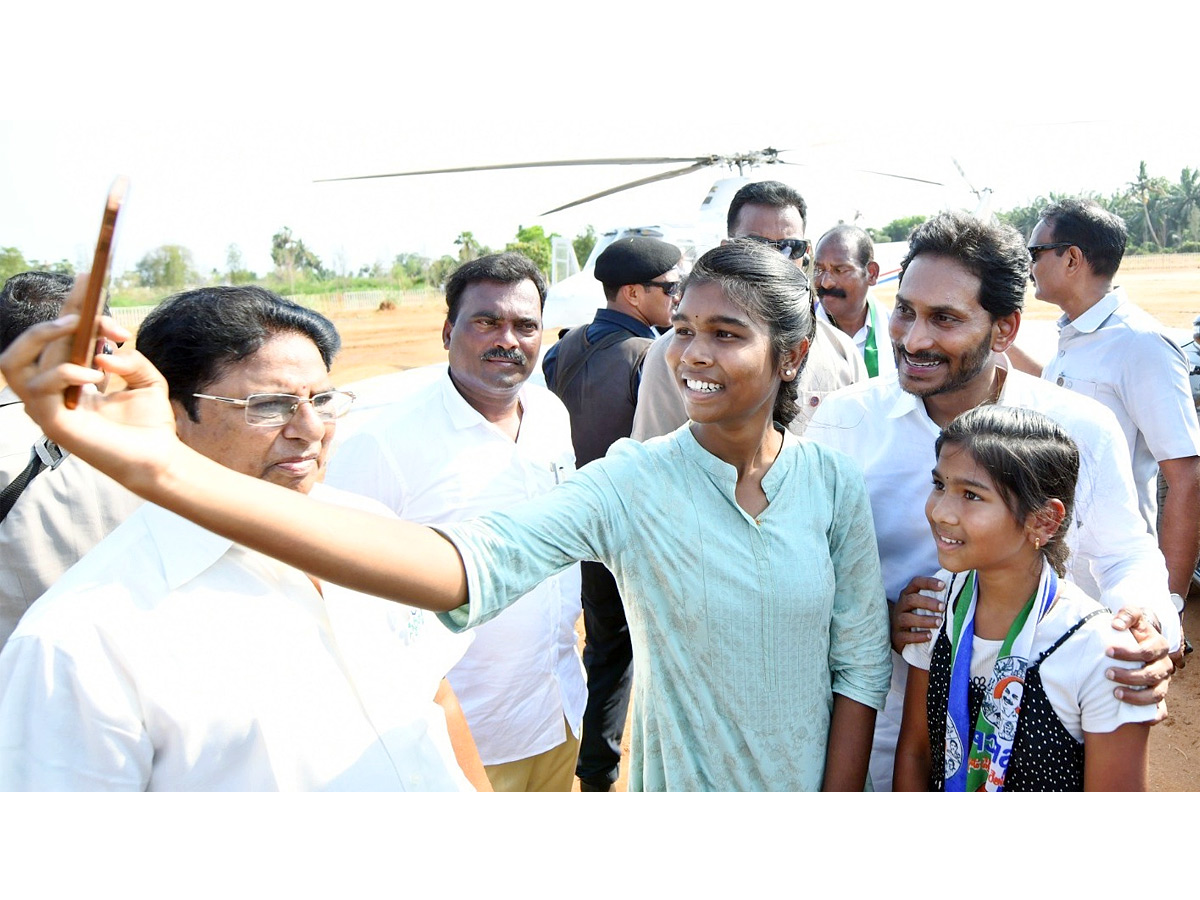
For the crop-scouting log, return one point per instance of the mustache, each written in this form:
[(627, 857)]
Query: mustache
[(920, 357), (514, 355), (822, 293)]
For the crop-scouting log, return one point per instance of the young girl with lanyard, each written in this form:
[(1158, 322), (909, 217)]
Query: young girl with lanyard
[(1012, 694)]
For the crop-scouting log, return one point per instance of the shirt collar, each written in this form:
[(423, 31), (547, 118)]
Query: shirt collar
[(1097, 314), (461, 413), (186, 549), (628, 322), (725, 474)]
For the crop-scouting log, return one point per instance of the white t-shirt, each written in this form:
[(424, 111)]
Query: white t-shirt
[(1073, 675)]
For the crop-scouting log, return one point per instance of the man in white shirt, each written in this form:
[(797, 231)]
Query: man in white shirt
[(65, 507), (172, 659), (957, 310), (476, 440), (1115, 352), (844, 270), (772, 213)]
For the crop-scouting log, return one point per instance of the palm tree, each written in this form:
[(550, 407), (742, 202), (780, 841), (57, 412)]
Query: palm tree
[(1146, 189), (1185, 202)]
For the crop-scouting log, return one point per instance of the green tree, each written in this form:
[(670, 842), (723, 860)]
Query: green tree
[(440, 270), (167, 266), (12, 262), (291, 257), (469, 248), (1147, 191), (534, 243), (583, 244), (1185, 205), (235, 269), (896, 230)]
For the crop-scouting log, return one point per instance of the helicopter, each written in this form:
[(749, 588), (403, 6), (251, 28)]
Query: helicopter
[(574, 294)]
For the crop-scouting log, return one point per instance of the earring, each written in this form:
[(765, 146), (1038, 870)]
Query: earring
[(1037, 544), (787, 372)]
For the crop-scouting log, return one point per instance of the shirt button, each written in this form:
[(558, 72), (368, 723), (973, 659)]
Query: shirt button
[(1060, 381), (814, 401)]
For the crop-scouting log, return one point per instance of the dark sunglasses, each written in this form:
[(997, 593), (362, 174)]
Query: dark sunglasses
[(1035, 249), (670, 288), (792, 248)]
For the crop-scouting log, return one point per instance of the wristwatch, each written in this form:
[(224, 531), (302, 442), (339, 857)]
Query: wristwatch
[(1178, 602)]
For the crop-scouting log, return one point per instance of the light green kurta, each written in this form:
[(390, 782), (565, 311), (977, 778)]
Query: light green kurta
[(742, 628)]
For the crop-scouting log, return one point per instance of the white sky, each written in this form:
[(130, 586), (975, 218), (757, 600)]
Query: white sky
[(222, 118)]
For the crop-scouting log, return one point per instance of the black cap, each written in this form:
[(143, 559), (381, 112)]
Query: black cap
[(635, 260)]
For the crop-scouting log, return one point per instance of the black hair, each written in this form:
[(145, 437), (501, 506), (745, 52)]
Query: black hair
[(29, 298), (195, 336), (995, 254), (1030, 459), (766, 286), (857, 241), (505, 268), (774, 194), (1099, 234)]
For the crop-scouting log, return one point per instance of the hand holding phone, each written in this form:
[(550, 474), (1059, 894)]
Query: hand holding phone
[(83, 343)]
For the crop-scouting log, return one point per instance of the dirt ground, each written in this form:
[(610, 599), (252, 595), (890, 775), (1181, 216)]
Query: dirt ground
[(379, 343)]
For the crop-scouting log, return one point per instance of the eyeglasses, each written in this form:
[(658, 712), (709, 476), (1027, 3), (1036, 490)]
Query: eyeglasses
[(1035, 249), (670, 288), (792, 248), (269, 410)]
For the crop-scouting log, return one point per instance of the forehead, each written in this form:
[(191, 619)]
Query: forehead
[(939, 281), (1043, 233), (773, 223), (288, 362), (707, 301), (519, 300), (834, 250)]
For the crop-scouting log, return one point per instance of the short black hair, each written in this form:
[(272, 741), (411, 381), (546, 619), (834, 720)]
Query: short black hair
[(857, 241), (505, 268), (29, 298), (995, 254), (1099, 234), (195, 336), (774, 194), (1030, 459)]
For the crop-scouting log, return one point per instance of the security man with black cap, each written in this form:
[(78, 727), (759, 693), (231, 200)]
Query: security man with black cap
[(595, 370)]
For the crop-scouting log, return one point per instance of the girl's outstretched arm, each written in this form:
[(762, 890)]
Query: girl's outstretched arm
[(911, 772), (1116, 761), (130, 436)]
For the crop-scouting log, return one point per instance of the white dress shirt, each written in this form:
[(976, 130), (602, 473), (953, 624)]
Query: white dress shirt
[(173, 659), (432, 458), (878, 320), (889, 433), (1117, 353)]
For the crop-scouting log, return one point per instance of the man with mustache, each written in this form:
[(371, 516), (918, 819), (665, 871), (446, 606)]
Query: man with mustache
[(844, 271), (596, 370), (479, 439), (958, 308)]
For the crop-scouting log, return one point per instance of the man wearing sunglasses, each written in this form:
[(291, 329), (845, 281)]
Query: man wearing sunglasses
[(595, 370), (771, 213), (1112, 350), (171, 659)]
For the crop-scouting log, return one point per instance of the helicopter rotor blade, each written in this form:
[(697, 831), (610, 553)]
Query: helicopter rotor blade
[(550, 163), (872, 172), (696, 167)]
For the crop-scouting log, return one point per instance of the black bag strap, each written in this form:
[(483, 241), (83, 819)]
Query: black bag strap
[(44, 454), (9, 495), (565, 375)]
